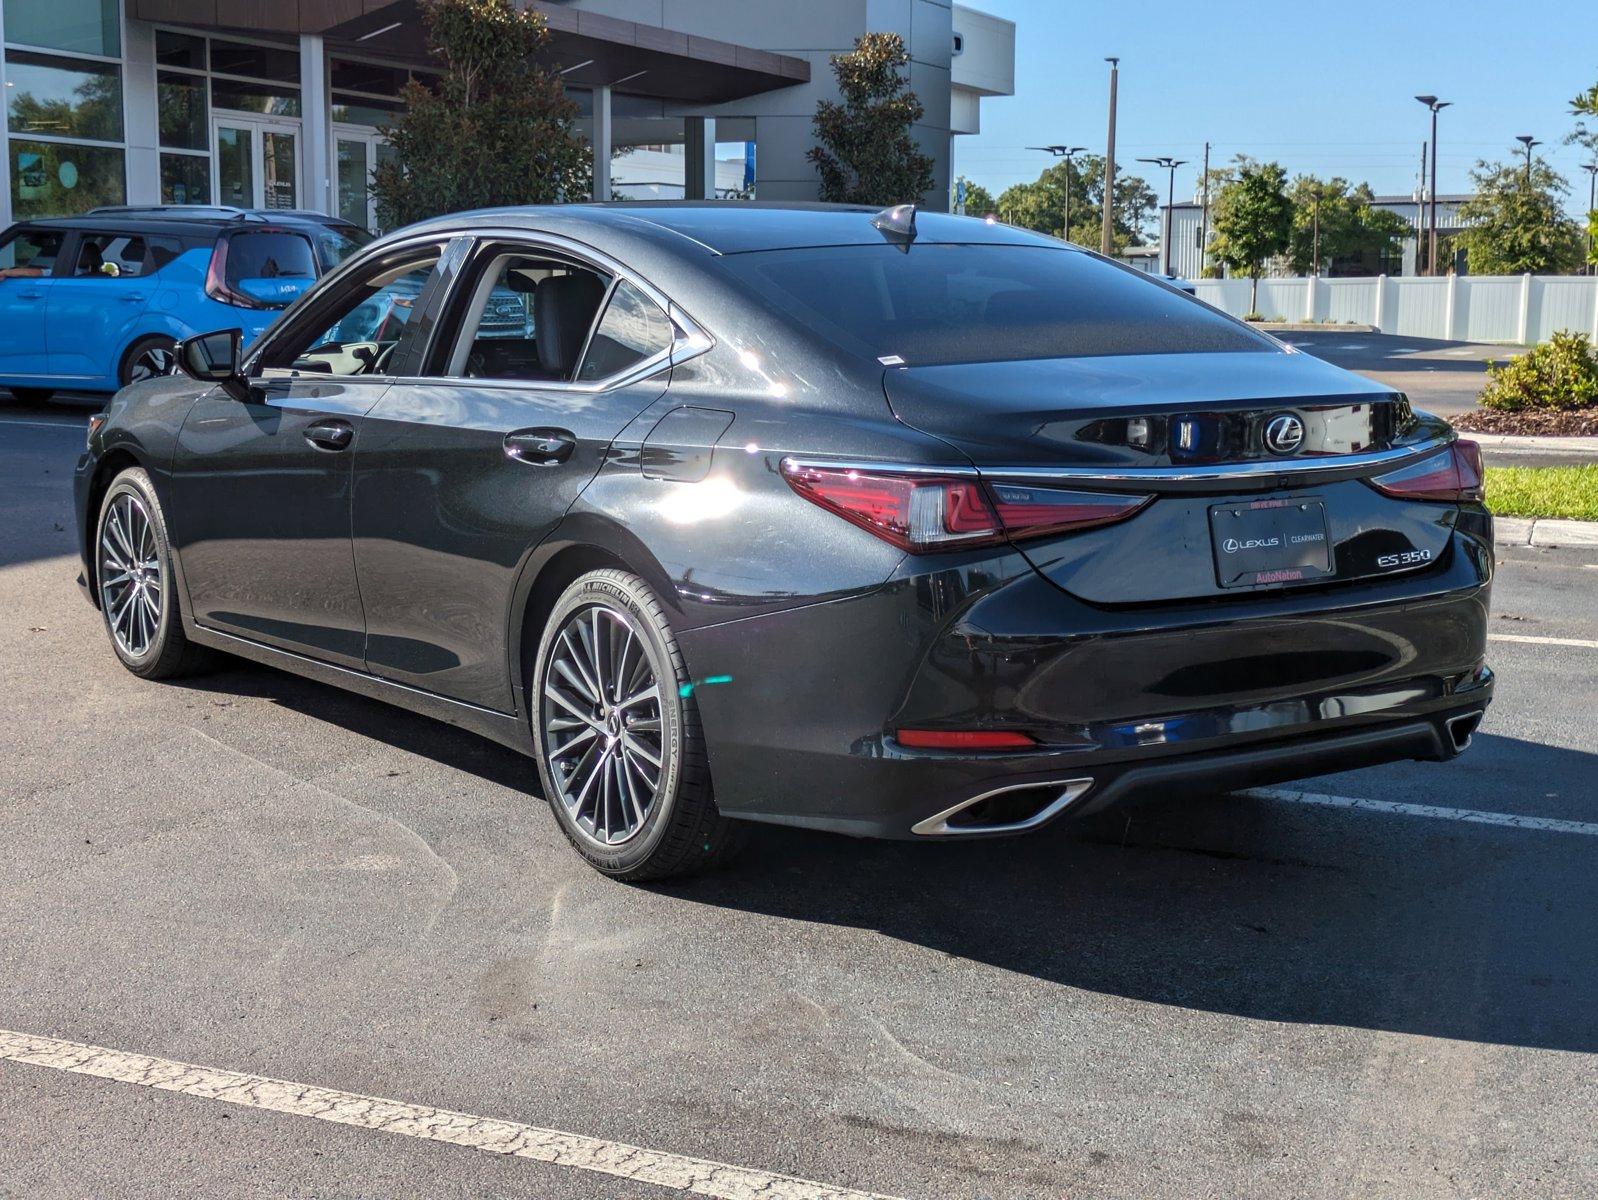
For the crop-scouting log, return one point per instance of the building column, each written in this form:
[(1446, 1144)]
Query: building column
[(5, 141), (600, 140), (316, 127), (699, 159), (141, 114)]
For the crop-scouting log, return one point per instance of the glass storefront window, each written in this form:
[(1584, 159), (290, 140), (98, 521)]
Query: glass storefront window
[(59, 97), (258, 62), (179, 50), (53, 179), (181, 105), (272, 101), (185, 179), (79, 26), (349, 110)]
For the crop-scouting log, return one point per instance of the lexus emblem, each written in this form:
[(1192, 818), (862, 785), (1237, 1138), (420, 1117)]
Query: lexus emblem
[(1284, 433)]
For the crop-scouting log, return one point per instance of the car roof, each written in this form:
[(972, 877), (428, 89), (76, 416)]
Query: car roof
[(738, 227), (194, 219)]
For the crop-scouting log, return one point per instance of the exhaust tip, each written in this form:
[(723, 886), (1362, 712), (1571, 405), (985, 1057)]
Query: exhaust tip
[(1012, 809), (1461, 728)]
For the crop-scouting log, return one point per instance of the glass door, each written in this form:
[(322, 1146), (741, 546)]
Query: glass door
[(358, 151), (257, 162)]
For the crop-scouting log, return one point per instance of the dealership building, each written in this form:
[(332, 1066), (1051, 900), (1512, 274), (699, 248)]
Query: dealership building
[(281, 103)]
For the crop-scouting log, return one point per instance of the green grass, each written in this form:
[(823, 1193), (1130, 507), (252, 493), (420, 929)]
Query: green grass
[(1570, 492)]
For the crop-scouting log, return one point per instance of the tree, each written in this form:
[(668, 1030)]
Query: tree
[(1040, 204), (1582, 107), (1253, 220), (1515, 229), (979, 201), (1349, 225), (866, 154), (496, 129)]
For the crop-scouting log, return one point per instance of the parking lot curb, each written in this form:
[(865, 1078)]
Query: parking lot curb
[(1545, 532)]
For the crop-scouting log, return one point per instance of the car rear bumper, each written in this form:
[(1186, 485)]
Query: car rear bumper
[(1211, 696)]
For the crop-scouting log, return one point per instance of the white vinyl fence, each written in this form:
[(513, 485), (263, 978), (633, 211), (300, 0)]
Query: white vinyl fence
[(1480, 308)]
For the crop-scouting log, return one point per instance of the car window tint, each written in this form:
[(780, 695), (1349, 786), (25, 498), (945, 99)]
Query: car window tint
[(358, 335), (527, 318), (268, 255), (30, 252), (939, 303), (633, 329), (111, 255)]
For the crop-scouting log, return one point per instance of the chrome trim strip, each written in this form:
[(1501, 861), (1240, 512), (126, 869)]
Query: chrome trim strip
[(938, 824), (1298, 468)]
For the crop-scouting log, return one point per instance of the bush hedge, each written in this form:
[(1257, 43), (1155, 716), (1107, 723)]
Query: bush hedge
[(1560, 374)]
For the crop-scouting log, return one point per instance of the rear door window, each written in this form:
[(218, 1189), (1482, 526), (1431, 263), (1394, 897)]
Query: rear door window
[(527, 317), (633, 330), (29, 252), (123, 255)]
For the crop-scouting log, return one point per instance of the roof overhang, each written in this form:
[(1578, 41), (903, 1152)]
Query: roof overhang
[(636, 58)]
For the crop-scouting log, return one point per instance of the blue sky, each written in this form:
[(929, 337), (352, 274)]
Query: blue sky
[(1319, 87)]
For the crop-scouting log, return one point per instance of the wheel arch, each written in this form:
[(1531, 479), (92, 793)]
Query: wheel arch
[(112, 464), (581, 544), (118, 369)]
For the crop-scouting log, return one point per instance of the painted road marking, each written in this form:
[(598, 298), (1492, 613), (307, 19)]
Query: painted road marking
[(695, 1175), (1394, 808), (77, 427), (1529, 639)]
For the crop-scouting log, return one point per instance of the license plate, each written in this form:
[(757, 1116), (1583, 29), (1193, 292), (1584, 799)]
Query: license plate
[(1270, 541)]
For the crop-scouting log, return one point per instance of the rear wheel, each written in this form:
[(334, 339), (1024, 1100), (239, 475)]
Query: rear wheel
[(133, 573), (148, 358), (622, 755)]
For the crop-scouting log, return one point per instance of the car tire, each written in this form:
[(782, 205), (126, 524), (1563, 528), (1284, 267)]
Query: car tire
[(31, 395), (148, 358), (135, 584), (628, 779)]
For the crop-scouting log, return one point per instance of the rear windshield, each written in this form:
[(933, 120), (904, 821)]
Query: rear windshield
[(958, 303), (268, 254)]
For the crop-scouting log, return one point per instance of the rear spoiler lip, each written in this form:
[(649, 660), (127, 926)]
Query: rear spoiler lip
[(1239, 476)]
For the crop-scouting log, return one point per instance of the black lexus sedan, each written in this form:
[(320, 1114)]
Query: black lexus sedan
[(896, 524)]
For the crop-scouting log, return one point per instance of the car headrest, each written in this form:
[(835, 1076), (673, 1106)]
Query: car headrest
[(563, 309)]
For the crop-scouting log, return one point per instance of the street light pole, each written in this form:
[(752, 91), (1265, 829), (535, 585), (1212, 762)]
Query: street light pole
[(1316, 242), (1107, 233), (1170, 164), (1592, 208), (1526, 140), (1204, 217), (1067, 153), (1437, 106)]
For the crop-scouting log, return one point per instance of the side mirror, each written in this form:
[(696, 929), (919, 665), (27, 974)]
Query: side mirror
[(214, 358)]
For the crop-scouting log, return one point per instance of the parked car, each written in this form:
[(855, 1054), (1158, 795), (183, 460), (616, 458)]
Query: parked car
[(895, 525), (97, 301)]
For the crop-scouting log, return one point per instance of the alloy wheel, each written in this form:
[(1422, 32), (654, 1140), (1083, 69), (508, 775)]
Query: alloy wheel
[(154, 362), (132, 580), (601, 722)]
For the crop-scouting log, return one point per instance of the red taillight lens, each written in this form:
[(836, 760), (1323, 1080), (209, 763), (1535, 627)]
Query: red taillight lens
[(963, 739), (1452, 475), (925, 513)]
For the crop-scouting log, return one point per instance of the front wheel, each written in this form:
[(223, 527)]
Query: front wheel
[(622, 755)]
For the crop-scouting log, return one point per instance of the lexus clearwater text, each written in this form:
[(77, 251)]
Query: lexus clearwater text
[(897, 524)]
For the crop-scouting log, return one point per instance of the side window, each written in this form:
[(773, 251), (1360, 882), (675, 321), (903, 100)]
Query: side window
[(358, 332), (31, 252), (527, 317), (114, 255), (633, 329)]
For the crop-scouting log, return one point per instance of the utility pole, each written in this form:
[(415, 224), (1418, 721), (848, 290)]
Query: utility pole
[(1592, 207), (1316, 237), (1437, 106), (1107, 235), (1065, 152), (1204, 217), (1526, 140), (1420, 212), (1170, 164)]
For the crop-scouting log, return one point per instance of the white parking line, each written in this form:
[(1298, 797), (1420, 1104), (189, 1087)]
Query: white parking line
[(76, 427), (1394, 808), (1532, 640), (697, 1176)]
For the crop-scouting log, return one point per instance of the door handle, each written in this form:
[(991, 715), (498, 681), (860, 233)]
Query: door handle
[(330, 435), (29, 295), (132, 298), (540, 447)]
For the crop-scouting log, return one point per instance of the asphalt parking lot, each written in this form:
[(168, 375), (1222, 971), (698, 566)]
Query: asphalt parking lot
[(1440, 376), (1206, 996)]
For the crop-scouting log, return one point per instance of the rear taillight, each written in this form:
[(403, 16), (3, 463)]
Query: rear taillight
[(926, 513), (216, 285), (1452, 475)]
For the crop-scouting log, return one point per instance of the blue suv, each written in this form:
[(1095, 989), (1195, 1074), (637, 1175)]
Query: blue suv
[(94, 302)]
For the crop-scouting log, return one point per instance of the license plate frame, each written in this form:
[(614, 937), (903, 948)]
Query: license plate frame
[(1270, 543)]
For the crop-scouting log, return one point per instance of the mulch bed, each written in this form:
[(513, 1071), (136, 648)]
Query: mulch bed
[(1536, 423)]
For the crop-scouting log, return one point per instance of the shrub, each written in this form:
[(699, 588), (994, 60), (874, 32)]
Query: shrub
[(1561, 373)]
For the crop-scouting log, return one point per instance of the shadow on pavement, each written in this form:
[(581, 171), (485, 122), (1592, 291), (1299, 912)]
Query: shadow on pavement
[(1220, 904)]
